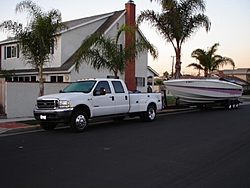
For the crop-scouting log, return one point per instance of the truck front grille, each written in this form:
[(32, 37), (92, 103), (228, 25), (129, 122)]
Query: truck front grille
[(47, 104)]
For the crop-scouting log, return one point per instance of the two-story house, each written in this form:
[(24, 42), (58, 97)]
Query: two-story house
[(61, 68)]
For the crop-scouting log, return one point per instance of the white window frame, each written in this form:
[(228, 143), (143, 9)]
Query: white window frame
[(14, 51), (140, 81), (57, 78)]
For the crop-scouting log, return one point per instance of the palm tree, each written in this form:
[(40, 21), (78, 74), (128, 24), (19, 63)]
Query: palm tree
[(7, 74), (209, 61), (40, 35), (178, 21), (103, 52)]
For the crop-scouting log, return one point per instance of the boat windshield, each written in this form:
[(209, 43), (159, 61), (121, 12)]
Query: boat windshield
[(81, 86)]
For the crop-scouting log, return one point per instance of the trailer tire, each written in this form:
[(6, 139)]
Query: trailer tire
[(229, 105), (79, 121), (236, 104)]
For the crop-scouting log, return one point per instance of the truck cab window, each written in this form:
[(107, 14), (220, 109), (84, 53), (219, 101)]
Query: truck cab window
[(118, 87), (102, 84), (81, 86)]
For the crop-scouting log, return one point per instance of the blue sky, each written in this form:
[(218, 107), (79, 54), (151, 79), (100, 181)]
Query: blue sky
[(230, 27)]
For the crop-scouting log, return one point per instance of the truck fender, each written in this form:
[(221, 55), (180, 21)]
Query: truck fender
[(85, 108)]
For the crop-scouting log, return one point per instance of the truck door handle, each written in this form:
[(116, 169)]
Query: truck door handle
[(126, 97), (112, 97)]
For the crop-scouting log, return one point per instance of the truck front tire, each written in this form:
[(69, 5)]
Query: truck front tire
[(79, 121)]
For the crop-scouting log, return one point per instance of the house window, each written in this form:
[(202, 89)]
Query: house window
[(33, 78), (11, 51), (59, 78), (140, 81), (26, 78), (56, 78)]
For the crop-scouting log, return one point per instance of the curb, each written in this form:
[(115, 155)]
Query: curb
[(19, 129), (4, 130), (167, 110)]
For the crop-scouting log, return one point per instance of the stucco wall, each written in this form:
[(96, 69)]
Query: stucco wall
[(20, 97), (72, 39), (13, 63)]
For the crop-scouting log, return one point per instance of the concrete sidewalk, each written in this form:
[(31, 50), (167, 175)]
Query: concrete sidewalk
[(16, 125)]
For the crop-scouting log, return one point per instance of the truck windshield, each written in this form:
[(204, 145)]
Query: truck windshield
[(81, 86)]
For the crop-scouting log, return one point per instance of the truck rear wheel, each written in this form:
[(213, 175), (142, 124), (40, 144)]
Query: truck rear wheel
[(149, 115), (48, 126), (79, 121)]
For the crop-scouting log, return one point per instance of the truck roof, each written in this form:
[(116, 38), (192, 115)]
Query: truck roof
[(99, 79)]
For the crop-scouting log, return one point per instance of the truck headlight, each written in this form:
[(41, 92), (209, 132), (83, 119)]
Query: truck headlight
[(64, 104)]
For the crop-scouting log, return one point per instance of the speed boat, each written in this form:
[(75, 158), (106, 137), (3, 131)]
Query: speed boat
[(205, 90)]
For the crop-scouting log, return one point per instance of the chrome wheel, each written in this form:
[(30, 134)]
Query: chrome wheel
[(151, 114), (79, 121)]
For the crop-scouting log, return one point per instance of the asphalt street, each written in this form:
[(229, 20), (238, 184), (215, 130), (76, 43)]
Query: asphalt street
[(204, 148)]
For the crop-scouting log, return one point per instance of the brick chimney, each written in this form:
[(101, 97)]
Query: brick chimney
[(220, 74), (0, 57), (130, 67)]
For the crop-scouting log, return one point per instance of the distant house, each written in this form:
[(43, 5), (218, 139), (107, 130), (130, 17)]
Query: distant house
[(61, 68), (240, 76), (243, 73)]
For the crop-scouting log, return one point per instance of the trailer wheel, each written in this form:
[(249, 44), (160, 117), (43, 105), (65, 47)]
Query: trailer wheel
[(229, 105), (236, 104), (150, 114), (79, 121), (48, 126)]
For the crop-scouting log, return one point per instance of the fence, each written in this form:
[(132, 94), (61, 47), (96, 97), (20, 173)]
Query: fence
[(17, 99)]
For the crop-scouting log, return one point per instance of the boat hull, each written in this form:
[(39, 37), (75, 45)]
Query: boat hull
[(203, 90)]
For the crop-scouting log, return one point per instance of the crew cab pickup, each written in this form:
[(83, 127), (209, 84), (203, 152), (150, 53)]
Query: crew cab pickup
[(92, 98)]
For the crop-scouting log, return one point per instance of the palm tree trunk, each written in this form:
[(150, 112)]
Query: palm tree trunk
[(116, 74), (178, 63), (41, 84)]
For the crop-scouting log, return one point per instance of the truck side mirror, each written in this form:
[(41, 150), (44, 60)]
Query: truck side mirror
[(102, 91)]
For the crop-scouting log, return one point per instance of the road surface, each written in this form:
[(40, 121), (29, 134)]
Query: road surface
[(204, 148)]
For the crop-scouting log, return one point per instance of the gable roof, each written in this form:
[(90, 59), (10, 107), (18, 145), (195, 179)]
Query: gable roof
[(153, 71), (84, 21), (67, 65)]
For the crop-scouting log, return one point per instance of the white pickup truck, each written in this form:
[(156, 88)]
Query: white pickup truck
[(92, 98)]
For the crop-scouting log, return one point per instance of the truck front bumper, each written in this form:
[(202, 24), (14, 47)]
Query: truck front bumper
[(57, 115)]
